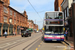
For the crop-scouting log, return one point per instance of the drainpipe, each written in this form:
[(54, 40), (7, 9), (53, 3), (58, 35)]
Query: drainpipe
[(73, 17)]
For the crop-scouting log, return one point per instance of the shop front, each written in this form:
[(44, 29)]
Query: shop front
[(68, 25), (22, 28), (11, 29), (15, 29), (18, 30), (5, 28)]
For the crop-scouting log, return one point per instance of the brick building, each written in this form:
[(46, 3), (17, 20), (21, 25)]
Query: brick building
[(57, 5), (32, 25), (66, 8), (11, 20), (35, 27)]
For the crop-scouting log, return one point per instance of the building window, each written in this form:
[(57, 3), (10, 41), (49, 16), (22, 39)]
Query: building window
[(5, 19), (5, 10), (10, 12), (18, 22), (10, 20), (14, 14), (67, 11), (14, 21)]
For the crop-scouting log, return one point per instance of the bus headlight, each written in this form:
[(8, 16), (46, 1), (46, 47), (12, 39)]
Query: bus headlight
[(45, 36), (62, 35)]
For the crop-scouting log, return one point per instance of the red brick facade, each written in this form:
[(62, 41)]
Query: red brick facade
[(57, 5), (11, 18), (32, 25)]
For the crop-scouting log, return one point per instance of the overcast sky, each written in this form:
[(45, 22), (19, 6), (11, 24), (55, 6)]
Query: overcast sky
[(41, 7)]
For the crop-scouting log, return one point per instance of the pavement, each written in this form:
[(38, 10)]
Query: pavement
[(69, 43), (10, 36), (13, 35)]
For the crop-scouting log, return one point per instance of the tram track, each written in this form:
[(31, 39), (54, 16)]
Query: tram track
[(22, 43), (18, 42), (30, 44), (12, 39)]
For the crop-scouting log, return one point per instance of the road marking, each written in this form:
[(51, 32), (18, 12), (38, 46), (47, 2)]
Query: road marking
[(38, 45), (60, 46), (64, 43), (66, 46), (36, 49)]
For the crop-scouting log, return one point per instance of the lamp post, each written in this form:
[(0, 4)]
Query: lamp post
[(73, 20)]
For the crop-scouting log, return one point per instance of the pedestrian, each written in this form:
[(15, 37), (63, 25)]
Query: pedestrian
[(66, 33), (5, 33), (14, 33)]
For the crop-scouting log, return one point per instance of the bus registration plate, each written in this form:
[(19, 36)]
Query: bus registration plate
[(54, 40)]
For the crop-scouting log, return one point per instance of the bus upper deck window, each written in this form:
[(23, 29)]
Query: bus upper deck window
[(60, 16)]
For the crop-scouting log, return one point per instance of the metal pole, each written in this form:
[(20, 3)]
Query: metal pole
[(35, 23), (73, 20)]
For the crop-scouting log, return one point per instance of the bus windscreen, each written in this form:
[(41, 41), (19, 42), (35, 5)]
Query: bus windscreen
[(53, 30)]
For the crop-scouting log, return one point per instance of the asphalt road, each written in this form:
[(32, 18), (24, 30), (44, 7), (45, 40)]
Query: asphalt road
[(34, 42)]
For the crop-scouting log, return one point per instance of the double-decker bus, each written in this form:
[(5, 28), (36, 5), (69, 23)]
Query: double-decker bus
[(53, 26)]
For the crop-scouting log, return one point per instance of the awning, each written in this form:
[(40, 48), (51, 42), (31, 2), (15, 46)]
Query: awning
[(30, 29), (5, 24)]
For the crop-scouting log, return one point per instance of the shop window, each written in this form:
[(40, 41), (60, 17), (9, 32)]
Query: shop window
[(5, 19), (10, 12), (10, 20), (11, 30), (5, 10)]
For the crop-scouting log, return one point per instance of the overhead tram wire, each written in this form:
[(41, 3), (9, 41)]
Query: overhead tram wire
[(34, 9)]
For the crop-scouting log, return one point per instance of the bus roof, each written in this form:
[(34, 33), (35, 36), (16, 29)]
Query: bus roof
[(54, 25)]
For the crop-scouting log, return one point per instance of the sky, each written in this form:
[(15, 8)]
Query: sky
[(41, 6)]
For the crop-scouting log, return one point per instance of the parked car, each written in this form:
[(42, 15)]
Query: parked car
[(25, 33)]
